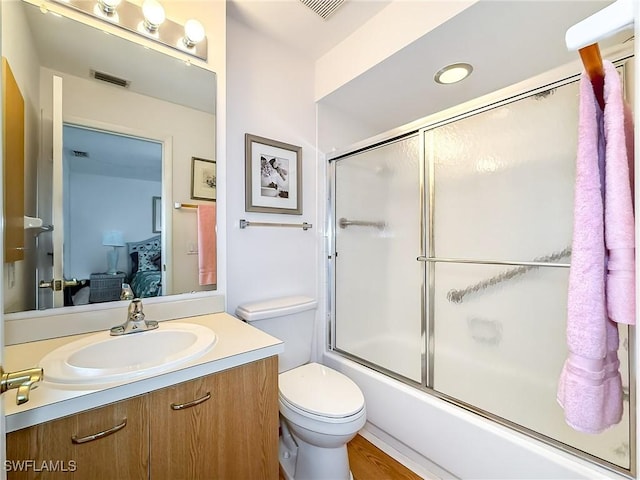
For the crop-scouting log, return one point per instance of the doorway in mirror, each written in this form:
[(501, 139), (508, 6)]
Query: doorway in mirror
[(109, 183)]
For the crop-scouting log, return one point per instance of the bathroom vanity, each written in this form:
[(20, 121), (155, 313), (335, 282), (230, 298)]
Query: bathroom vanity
[(214, 417)]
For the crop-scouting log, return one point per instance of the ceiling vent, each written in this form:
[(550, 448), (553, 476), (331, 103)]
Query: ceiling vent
[(324, 8), (105, 77), (80, 153)]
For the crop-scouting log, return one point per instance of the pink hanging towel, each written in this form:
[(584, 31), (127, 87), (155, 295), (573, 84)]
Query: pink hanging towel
[(207, 248), (590, 389), (618, 201)]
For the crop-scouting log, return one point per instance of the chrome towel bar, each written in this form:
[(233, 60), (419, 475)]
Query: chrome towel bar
[(304, 225)]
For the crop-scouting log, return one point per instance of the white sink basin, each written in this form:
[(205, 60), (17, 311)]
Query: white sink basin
[(101, 358)]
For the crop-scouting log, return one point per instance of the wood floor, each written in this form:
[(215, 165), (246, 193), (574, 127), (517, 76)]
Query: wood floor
[(368, 462)]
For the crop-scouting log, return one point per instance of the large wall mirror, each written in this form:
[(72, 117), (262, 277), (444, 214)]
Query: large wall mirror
[(132, 120)]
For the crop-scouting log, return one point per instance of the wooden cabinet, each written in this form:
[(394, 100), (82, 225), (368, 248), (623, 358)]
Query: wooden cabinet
[(222, 426), (63, 448)]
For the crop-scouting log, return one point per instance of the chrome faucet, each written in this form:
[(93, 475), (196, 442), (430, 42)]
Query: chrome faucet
[(135, 321)]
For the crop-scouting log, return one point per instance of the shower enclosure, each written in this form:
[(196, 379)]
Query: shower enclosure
[(449, 262)]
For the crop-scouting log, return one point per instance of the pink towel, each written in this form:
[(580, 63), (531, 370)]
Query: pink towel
[(618, 202), (207, 251), (590, 389)]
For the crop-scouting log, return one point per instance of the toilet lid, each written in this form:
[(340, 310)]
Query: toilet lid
[(321, 391)]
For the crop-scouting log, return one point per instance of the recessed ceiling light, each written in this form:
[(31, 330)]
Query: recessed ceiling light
[(453, 73)]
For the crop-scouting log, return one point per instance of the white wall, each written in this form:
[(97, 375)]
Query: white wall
[(270, 94), (98, 203)]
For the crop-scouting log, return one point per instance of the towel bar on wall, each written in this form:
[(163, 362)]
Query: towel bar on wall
[(178, 205), (304, 225)]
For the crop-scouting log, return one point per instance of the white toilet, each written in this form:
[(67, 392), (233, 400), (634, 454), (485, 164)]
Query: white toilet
[(320, 409)]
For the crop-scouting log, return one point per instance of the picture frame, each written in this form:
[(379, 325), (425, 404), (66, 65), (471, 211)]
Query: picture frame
[(273, 176), (203, 179), (156, 215)]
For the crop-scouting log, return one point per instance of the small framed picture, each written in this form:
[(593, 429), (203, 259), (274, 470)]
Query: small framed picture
[(273, 176), (156, 219), (203, 179)]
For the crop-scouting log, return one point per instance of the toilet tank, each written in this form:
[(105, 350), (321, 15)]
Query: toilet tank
[(291, 319)]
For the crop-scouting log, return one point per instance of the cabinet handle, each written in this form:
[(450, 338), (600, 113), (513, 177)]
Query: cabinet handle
[(99, 435), (193, 403)]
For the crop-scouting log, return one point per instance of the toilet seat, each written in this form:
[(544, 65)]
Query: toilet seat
[(316, 391), (287, 409)]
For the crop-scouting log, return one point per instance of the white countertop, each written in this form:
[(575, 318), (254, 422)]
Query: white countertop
[(238, 343)]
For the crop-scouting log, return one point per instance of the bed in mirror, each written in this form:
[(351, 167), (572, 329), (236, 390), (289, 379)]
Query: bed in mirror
[(132, 119)]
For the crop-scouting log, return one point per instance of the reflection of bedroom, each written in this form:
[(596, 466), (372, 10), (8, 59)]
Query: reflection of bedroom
[(109, 183)]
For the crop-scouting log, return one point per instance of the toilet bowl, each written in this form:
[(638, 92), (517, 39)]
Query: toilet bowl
[(320, 409)]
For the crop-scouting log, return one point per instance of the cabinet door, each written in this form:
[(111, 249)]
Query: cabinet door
[(51, 449), (224, 426)]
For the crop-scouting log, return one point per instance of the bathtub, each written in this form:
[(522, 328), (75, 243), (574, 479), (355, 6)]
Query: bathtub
[(451, 442)]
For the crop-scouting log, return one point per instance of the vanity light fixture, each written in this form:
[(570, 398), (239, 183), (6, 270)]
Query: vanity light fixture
[(148, 20), (453, 73)]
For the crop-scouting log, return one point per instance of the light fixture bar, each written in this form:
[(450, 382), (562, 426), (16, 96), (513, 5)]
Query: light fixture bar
[(129, 16)]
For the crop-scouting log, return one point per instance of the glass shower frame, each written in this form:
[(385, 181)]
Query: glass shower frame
[(428, 259)]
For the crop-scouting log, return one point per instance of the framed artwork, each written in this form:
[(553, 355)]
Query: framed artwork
[(273, 176), (203, 179), (156, 219)]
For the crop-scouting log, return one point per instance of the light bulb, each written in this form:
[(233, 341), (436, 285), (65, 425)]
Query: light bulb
[(193, 32), (108, 6), (153, 15)]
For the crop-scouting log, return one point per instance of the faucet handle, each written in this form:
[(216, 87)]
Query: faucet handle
[(23, 380)]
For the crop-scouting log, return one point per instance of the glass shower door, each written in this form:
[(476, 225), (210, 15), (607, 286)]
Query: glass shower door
[(503, 192), (378, 305)]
